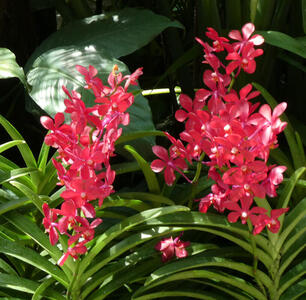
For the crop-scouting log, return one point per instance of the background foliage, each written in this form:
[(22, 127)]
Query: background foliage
[(48, 39)]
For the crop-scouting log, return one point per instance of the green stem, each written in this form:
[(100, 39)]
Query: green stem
[(199, 167), (255, 260), (195, 180), (73, 290), (231, 84), (177, 89)]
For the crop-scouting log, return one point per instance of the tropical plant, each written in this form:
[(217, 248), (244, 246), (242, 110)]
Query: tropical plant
[(145, 213)]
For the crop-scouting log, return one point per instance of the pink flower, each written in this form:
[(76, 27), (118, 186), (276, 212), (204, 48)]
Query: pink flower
[(73, 252), (272, 222), (274, 178), (169, 247), (245, 61), (244, 212), (219, 42), (272, 124), (170, 164), (247, 31), (50, 224)]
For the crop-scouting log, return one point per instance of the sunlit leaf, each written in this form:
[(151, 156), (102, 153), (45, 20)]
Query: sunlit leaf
[(119, 33), (9, 67)]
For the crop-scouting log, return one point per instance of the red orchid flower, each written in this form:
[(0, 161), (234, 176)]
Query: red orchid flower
[(272, 222), (247, 31), (50, 224), (244, 212), (170, 247), (73, 252), (246, 61), (170, 164)]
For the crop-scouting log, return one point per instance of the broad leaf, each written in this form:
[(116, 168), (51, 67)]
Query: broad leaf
[(284, 41), (119, 33)]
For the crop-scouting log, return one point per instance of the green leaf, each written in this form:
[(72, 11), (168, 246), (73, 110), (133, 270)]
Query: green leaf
[(132, 203), (119, 279), (146, 197), (43, 157), (49, 178), (7, 268), (150, 176), (31, 257), (293, 61), (34, 232), (284, 41), (202, 260), (9, 67), (25, 285), (28, 193), (288, 189), (190, 294), (17, 283), (41, 289), (139, 254), (139, 134), (10, 144), (295, 291), (24, 149), (282, 159), (16, 173), (218, 223), (293, 246), (13, 204), (121, 227), (119, 33), (292, 276), (128, 243), (293, 239), (125, 167), (291, 220), (203, 274)]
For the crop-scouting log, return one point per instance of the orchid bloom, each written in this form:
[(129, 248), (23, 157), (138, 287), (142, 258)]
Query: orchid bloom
[(170, 247)]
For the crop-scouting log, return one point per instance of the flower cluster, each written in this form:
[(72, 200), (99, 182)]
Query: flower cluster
[(85, 147), (235, 136)]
